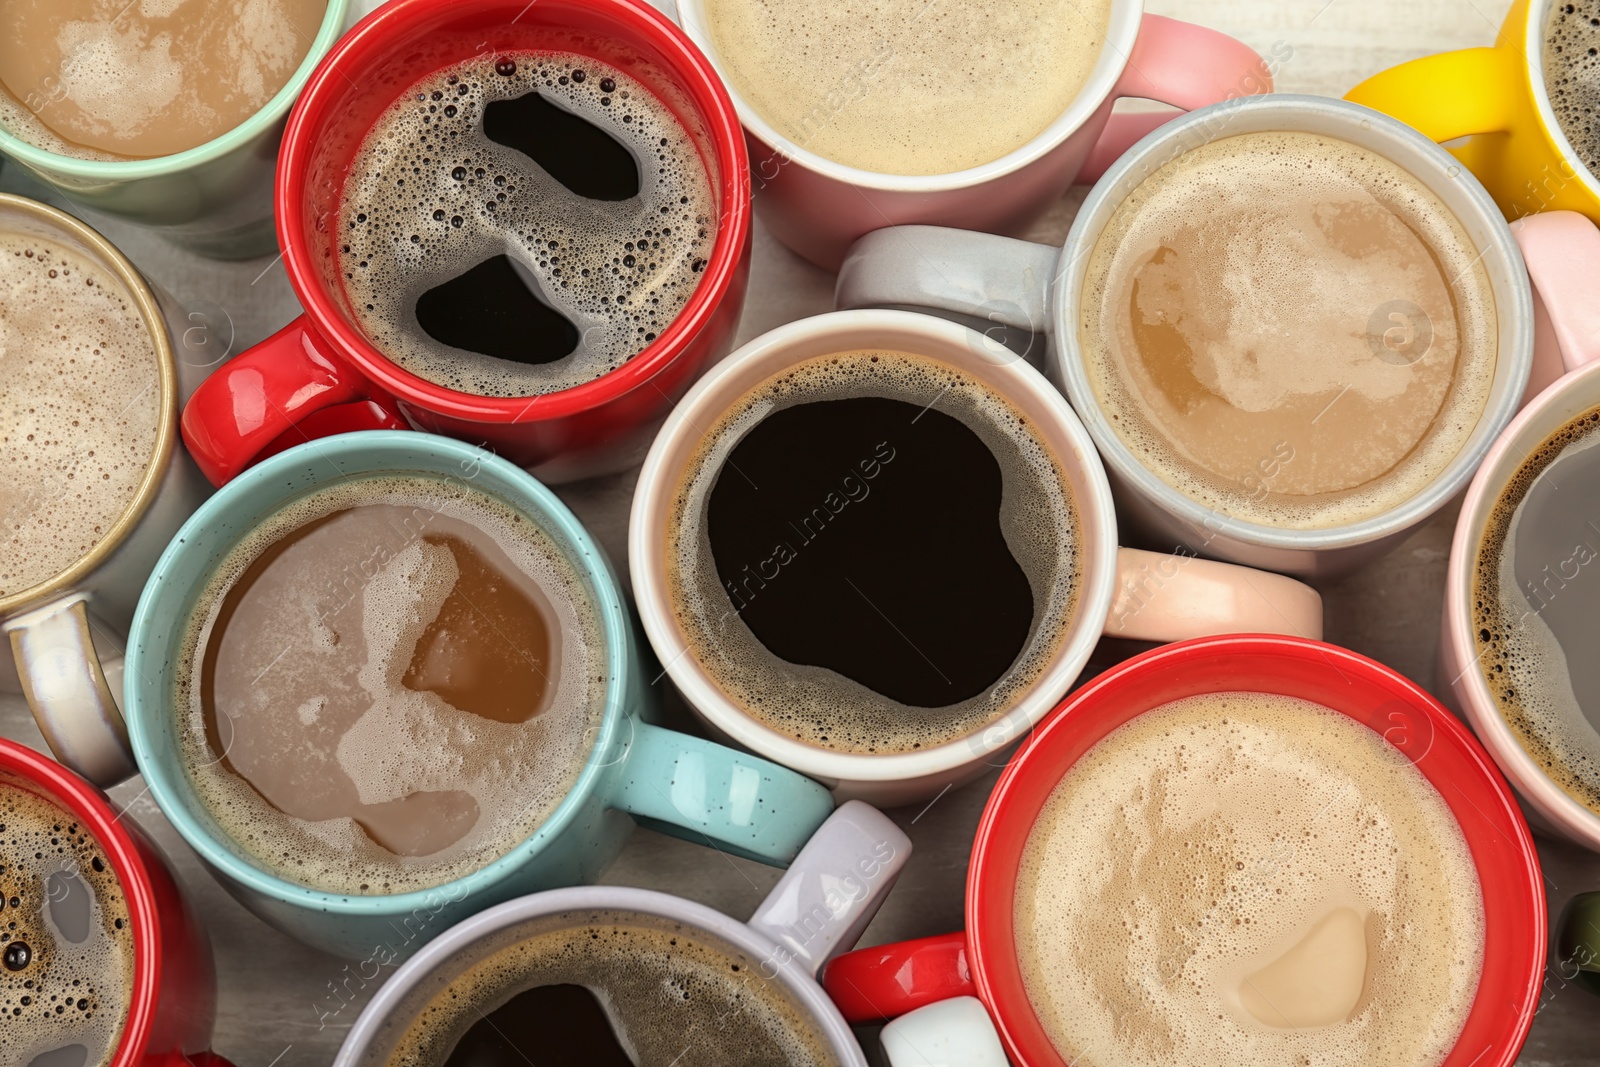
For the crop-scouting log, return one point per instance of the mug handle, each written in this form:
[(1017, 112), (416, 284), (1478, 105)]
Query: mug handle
[(705, 792), (1562, 253), (288, 389), (1577, 952), (1177, 63), (831, 891), (1448, 95), (1173, 596), (65, 684)]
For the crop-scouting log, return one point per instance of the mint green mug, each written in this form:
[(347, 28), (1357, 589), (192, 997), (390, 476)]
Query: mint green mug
[(214, 199), (635, 771)]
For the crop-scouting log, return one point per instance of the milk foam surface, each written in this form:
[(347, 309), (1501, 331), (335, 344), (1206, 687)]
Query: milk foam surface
[(1038, 519), (1289, 329), (429, 196), (1183, 867), (908, 86), (406, 742), (75, 989), (674, 993), (1572, 74), (80, 407)]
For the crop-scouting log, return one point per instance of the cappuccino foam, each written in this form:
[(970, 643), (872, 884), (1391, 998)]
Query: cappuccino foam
[(1246, 878), (1572, 74), (908, 86), (80, 407), (1289, 328), (674, 994), (394, 740)]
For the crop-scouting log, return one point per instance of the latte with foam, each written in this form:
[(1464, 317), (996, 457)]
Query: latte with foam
[(1289, 329), (599, 989), (1572, 74), (1245, 878), (908, 86), (80, 407), (389, 683)]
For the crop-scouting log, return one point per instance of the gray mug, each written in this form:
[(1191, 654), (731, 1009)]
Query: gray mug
[(818, 909), (1012, 285)]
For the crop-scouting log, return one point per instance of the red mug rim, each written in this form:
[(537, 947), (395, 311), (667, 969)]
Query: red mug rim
[(722, 263), (1434, 740), (89, 806)]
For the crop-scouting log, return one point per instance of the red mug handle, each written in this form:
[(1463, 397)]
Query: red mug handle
[(292, 387), (1180, 64), (887, 981)]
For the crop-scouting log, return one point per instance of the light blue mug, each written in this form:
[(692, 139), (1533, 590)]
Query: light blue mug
[(636, 771)]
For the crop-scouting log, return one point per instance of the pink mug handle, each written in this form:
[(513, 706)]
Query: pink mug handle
[(1180, 64), (1562, 253)]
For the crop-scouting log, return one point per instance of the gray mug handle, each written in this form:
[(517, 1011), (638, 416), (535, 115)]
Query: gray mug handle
[(999, 279), (830, 893)]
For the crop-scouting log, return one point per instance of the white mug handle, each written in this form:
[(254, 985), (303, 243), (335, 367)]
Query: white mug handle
[(950, 1033)]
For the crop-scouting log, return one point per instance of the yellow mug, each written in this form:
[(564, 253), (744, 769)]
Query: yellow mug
[(1495, 97)]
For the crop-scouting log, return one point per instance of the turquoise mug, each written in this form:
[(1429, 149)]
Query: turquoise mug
[(636, 771), (214, 199)]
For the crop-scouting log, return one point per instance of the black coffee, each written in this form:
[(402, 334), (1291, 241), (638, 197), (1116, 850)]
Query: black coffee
[(522, 223), (874, 552)]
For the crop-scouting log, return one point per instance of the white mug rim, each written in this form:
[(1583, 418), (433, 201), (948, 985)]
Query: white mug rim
[(1533, 56), (1123, 31), (1096, 524), (1065, 307)]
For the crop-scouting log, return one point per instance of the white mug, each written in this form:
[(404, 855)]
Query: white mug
[(1123, 593)]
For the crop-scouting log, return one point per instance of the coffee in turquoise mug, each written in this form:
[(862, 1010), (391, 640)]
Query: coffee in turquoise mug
[(385, 680)]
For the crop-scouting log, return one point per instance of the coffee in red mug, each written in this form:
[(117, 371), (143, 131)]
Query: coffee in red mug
[(102, 962), (1233, 850), (525, 226)]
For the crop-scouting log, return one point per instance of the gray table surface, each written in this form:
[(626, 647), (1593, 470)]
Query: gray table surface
[(273, 1009)]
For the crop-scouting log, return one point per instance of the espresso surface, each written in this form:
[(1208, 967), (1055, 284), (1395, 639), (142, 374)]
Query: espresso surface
[(873, 552), (392, 683), (596, 989), (1572, 74), (114, 79), (80, 407), (908, 86), (1244, 878), (66, 946), (1289, 329), (1536, 592), (560, 179)]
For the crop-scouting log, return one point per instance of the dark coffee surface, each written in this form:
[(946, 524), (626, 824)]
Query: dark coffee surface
[(492, 310), (566, 1025), (572, 150)]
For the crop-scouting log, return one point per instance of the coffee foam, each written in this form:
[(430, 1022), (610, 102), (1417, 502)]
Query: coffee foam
[(908, 86), (1202, 841), (1518, 654), (1038, 519), (80, 407), (1231, 309), (620, 271), (1572, 74), (407, 741), (72, 992), (676, 993)]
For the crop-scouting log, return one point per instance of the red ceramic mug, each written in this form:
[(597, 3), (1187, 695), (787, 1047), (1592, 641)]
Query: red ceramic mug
[(172, 1002), (956, 985), (321, 375)]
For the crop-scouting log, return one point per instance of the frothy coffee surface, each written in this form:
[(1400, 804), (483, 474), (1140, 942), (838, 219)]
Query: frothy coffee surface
[(80, 407), (1536, 611), (66, 946), (1289, 328), (114, 79), (908, 86), (672, 994), (1244, 878), (829, 571), (430, 196), (1572, 74), (389, 683)]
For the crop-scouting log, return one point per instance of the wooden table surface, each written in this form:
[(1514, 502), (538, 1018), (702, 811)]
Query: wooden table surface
[(275, 1007)]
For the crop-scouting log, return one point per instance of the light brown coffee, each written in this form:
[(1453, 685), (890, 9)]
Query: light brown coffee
[(1289, 328), (908, 86), (389, 684), (121, 79), (1245, 878), (80, 407)]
